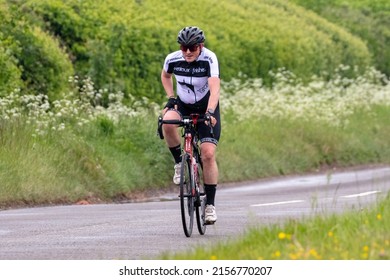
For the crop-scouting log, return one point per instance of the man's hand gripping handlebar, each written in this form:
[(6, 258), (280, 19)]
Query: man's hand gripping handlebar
[(193, 119)]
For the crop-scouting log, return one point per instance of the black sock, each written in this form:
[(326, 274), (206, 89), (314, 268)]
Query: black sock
[(176, 153), (210, 191)]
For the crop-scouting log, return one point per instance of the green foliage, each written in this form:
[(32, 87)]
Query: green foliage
[(130, 156), (10, 74), (43, 66), (108, 160), (52, 169), (106, 126), (74, 148), (367, 19), (46, 68), (128, 61), (310, 145), (122, 44), (68, 23)]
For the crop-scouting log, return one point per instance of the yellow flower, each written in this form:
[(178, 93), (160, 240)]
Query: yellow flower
[(213, 257), (313, 253), (330, 233), (282, 235), (379, 217), (293, 256), (366, 248), (276, 254)]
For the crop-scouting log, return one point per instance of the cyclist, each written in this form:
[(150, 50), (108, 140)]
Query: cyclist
[(196, 72)]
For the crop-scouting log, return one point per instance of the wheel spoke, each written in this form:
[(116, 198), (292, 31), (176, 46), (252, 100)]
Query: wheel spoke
[(201, 203), (186, 198)]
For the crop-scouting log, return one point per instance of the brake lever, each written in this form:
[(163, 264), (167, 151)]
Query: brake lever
[(159, 127), (210, 125)]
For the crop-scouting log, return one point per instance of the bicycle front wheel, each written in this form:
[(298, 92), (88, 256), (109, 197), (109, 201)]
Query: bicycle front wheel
[(186, 195), (200, 204)]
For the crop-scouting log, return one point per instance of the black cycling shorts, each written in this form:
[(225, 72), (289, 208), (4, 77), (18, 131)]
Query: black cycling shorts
[(200, 108)]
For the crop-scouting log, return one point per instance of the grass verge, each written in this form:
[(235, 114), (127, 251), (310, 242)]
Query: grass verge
[(355, 235)]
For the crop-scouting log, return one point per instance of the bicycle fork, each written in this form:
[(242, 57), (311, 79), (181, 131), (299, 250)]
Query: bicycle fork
[(189, 150)]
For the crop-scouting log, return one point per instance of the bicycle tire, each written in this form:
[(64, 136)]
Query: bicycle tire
[(186, 196), (201, 205)]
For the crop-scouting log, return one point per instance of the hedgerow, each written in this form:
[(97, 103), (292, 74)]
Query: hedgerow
[(367, 19), (38, 62), (121, 45)]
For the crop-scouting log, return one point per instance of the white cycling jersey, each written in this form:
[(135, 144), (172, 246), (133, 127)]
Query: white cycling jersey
[(192, 78)]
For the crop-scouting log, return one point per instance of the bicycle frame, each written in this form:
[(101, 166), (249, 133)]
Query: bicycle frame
[(190, 191), (190, 134), (191, 140), (192, 150)]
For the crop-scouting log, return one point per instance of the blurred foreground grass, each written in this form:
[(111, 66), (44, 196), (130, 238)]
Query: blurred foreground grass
[(356, 235)]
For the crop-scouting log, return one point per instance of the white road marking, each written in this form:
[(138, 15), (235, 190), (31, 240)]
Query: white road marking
[(361, 194), (277, 203)]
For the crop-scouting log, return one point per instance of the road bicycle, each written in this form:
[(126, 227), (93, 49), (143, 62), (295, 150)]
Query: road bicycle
[(192, 195)]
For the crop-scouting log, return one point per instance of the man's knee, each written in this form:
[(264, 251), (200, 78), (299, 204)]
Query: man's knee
[(172, 114), (208, 152)]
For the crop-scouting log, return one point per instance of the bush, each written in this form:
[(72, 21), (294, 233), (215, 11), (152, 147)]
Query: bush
[(366, 19), (9, 72), (44, 66), (122, 44)]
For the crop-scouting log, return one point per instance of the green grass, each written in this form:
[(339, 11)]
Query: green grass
[(266, 147), (114, 152), (355, 235), (72, 150), (98, 165), (58, 168)]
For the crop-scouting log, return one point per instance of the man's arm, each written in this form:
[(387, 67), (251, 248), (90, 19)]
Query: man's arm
[(214, 86), (167, 82)]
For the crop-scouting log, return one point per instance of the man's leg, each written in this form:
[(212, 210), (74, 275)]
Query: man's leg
[(210, 178), (172, 138)]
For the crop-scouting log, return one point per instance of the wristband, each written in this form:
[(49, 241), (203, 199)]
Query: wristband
[(171, 102), (210, 112)]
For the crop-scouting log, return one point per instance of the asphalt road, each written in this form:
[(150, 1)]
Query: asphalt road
[(149, 229)]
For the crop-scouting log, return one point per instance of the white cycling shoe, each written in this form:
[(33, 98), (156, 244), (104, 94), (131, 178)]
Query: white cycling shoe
[(176, 176), (210, 215)]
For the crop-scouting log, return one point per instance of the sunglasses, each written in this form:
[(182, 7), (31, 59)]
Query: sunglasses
[(191, 48)]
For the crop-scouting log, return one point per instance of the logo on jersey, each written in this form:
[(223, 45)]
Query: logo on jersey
[(189, 86), (204, 89), (181, 69), (198, 70), (209, 59)]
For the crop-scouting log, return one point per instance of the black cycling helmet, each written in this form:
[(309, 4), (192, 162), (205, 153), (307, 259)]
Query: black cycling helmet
[(190, 35)]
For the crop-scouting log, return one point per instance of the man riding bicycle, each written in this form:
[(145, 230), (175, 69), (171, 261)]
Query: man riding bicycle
[(196, 72)]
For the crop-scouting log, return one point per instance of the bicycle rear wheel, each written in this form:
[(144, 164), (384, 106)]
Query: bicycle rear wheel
[(186, 195), (201, 201)]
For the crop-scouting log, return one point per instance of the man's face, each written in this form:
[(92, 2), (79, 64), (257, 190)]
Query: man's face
[(190, 53)]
